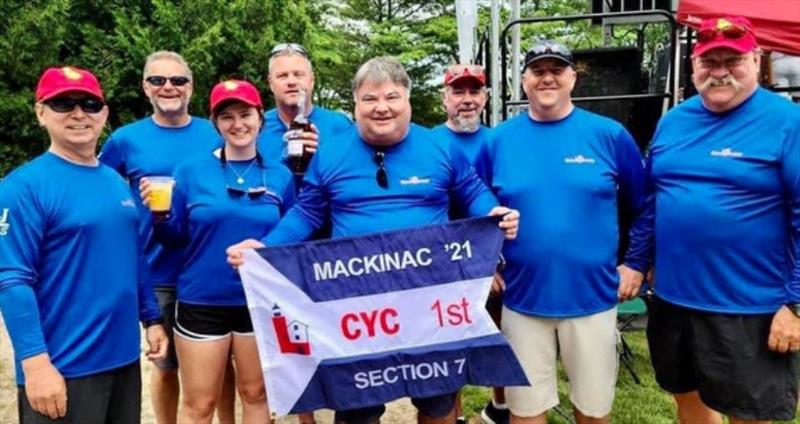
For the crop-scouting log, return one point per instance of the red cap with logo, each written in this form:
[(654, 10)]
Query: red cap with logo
[(242, 91), (732, 32), (55, 81), (461, 72)]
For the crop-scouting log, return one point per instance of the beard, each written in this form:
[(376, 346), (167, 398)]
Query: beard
[(172, 110), (720, 82), (467, 125)]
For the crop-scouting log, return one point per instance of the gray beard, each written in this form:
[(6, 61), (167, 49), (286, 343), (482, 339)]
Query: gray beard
[(466, 125)]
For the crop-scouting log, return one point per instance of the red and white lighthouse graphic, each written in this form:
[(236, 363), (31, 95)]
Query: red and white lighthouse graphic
[(292, 336)]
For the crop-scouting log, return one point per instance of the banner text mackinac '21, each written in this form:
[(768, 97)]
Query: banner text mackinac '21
[(354, 322)]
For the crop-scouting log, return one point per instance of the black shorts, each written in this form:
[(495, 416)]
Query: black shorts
[(113, 396), (725, 358), (206, 323), (433, 407), (166, 302)]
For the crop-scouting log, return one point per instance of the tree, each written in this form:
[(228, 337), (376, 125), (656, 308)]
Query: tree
[(218, 38), (421, 34)]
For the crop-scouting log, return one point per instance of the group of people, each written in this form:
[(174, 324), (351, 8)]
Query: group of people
[(715, 213)]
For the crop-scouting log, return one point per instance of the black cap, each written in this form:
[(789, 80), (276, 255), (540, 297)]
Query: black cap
[(544, 49)]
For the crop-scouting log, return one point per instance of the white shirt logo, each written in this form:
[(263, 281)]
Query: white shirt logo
[(415, 180), (128, 203), (4, 225), (578, 159), (726, 153)]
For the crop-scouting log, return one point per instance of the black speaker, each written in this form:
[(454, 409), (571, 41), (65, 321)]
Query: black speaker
[(627, 6), (617, 70)]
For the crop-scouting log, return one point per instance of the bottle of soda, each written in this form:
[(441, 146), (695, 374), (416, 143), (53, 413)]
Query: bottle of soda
[(298, 155)]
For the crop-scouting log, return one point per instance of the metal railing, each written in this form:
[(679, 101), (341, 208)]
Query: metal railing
[(671, 88)]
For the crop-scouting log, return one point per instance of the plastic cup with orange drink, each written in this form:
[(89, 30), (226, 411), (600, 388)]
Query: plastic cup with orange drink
[(160, 196)]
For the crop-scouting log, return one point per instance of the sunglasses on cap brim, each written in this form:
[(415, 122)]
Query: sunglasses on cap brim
[(731, 32), (462, 70)]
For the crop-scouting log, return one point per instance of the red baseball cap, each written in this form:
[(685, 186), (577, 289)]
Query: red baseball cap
[(733, 32), (55, 81), (460, 72), (242, 91)]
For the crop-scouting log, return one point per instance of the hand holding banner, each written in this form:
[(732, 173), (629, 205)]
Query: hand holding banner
[(354, 322)]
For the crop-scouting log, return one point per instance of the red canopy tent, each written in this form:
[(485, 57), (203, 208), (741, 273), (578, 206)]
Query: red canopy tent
[(777, 22)]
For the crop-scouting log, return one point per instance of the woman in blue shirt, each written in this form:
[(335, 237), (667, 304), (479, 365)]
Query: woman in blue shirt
[(220, 198)]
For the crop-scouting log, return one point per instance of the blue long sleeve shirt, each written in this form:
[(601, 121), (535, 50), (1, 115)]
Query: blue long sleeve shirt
[(208, 217), (473, 145), (568, 178), (726, 188), (69, 265), (424, 173), (145, 148)]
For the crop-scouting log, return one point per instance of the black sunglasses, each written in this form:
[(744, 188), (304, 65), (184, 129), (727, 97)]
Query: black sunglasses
[(159, 81), (380, 176), (67, 104), (282, 47), (251, 192)]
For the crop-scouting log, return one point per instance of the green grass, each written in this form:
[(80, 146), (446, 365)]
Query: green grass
[(633, 403)]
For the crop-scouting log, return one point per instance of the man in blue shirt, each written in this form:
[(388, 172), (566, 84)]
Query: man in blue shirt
[(568, 171), (71, 288), (724, 329), (154, 146), (464, 98), (388, 175), (291, 80)]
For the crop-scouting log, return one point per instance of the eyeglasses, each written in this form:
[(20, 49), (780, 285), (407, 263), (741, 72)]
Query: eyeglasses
[(553, 48), (459, 70), (731, 32), (67, 104), (251, 192), (380, 176), (160, 81), (294, 47)]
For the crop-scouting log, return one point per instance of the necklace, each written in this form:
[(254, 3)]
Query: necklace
[(240, 177)]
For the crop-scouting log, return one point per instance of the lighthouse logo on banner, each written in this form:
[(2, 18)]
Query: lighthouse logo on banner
[(292, 336), (355, 322)]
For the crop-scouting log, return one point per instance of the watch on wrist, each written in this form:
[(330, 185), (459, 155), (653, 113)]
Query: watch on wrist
[(150, 322), (795, 308)]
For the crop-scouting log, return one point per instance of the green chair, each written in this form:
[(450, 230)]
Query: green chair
[(627, 313)]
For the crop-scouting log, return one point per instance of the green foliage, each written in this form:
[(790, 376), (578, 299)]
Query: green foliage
[(421, 34), (29, 37), (222, 39), (218, 38)]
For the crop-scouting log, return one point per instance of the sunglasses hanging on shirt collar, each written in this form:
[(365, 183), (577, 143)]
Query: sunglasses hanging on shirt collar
[(380, 175), (240, 189)]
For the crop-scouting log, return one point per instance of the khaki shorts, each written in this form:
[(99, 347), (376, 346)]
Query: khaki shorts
[(588, 350)]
